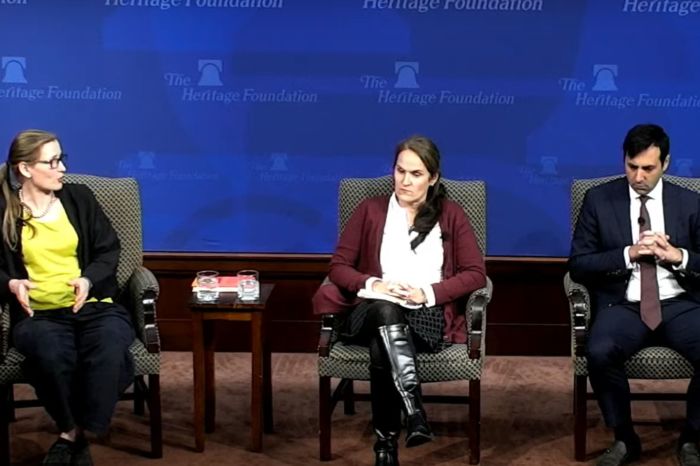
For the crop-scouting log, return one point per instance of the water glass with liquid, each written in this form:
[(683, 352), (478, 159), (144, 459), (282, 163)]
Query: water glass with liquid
[(208, 285), (248, 285)]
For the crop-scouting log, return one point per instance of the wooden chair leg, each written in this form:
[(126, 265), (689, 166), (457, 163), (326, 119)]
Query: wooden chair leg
[(139, 395), (11, 404), (474, 421), (5, 403), (349, 398), (580, 414), (154, 411), (324, 418)]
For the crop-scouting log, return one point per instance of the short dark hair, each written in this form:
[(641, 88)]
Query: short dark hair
[(642, 137)]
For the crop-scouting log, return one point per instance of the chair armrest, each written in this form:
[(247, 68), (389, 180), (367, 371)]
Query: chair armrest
[(4, 330), (326, 338), (143, 293), (476, 319), (580, 308)]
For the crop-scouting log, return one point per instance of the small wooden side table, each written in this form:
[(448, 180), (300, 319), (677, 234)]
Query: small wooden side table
[(229, 307)]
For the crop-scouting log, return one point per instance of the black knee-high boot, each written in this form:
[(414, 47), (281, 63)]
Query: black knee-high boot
[(386, 417), (396, 340)]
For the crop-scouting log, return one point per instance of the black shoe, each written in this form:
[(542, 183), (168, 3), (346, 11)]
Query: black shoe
[(386, 449), (688, 455), (81, 453), (618, 454), (417, 430), (61, 452)]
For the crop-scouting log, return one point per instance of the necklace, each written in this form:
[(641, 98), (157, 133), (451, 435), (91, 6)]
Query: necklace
[(28, 210)]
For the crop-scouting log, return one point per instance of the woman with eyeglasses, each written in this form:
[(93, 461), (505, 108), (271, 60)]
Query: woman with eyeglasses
[(58, 263)]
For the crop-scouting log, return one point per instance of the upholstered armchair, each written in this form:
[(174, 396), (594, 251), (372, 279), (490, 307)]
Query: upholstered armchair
[(119, 198), (655, 362), (456, 362)]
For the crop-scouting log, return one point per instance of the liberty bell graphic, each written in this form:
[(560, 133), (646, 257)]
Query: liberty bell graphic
[(210, 73), (604, 77), (146, 160), (279, 162), (548, 166), (684, 167), (406, 72), (14, 70)]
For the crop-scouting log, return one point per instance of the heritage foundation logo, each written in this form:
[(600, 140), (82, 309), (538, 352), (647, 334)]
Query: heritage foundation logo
[(406, 90), (425, 6), (281, 167), (209, 86), (605, 91), (546, 173), (15, 84), (168, 4), (146, 165), (672, 7)]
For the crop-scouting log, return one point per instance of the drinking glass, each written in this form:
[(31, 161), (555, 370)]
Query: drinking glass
[(208, 285), (248, 285)]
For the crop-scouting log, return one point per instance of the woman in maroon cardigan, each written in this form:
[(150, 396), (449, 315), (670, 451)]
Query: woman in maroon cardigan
[(412, 255)]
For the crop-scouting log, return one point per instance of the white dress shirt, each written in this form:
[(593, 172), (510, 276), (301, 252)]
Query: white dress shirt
[(668, 285), (421, 267)]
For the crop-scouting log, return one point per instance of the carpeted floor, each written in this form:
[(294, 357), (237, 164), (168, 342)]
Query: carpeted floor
[(526, 420)]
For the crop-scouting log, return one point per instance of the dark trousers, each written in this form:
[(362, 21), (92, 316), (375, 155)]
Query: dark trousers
[(618, 332), (78, 364)]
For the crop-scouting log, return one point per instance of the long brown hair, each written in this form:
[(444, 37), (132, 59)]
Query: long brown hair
[(24, 148), (429, 213)]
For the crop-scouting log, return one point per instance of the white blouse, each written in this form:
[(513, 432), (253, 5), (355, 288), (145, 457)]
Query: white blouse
[(419, 268)]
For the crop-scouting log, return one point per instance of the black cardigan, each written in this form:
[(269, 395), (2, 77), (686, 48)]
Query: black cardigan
[(98, 247)]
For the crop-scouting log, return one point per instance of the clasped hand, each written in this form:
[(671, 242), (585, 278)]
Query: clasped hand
[(655, 244), (405, 291), (20, 288)]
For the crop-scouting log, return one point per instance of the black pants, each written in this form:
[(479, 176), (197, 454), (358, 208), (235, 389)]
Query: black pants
[(618, 332), (361, 329), (78, 364)]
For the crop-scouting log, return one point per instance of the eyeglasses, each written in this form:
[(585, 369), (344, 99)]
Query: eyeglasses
[(54, 162)]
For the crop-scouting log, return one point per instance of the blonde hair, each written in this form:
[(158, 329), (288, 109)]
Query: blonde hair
[(24, 148)]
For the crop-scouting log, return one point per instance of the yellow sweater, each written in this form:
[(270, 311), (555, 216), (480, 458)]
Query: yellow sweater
[(49, 251)]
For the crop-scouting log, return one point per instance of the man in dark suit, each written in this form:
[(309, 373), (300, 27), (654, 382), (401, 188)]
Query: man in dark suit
[(636, 246)]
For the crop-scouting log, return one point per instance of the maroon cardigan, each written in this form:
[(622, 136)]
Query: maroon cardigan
[(357, 258)]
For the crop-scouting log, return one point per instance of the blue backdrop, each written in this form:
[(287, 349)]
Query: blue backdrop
[(239, 117)]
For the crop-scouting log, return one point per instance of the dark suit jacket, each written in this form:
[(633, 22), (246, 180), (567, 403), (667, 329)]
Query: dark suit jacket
[(604, 230), (357, 257)]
